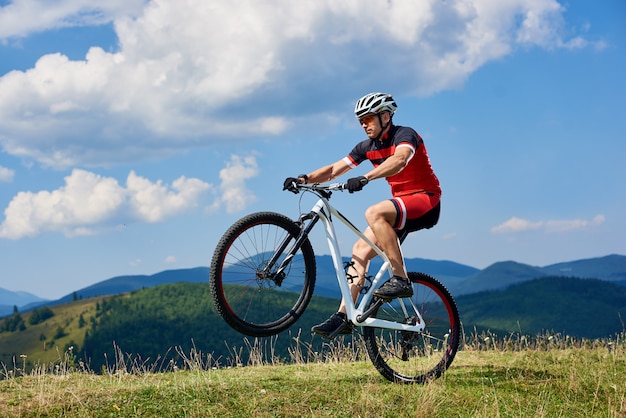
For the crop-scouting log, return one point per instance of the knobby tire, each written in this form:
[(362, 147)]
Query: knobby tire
[(411, 357), (251, 298)]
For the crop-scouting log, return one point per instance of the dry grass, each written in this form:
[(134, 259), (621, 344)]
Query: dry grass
[(547, 375)]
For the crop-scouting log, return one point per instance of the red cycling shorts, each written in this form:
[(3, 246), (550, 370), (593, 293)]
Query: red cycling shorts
[(416, 211)]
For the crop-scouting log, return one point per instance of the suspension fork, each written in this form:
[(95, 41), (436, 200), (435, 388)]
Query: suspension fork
[(304, 233)]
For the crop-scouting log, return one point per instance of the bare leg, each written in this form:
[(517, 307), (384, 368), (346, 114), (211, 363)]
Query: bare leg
[(362, 253), (380, 217)]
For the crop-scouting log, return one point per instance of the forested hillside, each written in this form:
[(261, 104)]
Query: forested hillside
[(153, 322), (155, 325), (458, 278), (578, 307)]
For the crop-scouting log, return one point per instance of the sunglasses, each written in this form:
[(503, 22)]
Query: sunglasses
[(366, 120)]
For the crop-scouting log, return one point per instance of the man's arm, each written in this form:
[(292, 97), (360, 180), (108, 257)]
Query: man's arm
[(328, 173), (392, 165)]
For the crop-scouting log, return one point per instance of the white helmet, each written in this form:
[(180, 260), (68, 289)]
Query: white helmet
[(375, 103)]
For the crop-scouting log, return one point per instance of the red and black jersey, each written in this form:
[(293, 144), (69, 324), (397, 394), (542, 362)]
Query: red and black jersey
[(418, 175)]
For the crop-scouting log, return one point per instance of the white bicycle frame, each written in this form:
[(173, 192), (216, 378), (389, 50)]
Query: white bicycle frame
[(326, 211)]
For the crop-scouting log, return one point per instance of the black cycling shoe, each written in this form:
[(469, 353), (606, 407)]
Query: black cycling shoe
[(336, 324), (396, 287)]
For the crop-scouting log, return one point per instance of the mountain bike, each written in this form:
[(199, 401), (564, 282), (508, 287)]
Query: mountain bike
[(263, 274)]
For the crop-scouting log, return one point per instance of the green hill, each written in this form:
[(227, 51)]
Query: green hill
[(611, 267), (577, 307), (152, 324), (47, 340), (458, 278), (497, 276)]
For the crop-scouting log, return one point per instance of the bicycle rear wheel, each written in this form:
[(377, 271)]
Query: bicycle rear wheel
[(416, 357), (249, 293)]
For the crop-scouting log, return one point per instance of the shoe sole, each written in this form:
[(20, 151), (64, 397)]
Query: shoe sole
[(346, 331), (388, 297)]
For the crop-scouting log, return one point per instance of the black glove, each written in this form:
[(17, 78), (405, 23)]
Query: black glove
[(290, 183), (356, 183)]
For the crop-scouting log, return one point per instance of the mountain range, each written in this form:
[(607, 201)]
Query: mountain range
[(460, 279)]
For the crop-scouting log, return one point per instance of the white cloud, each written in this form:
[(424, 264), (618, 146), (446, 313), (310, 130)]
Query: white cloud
[(449, 236), (170, 259), (235, 195), (153, 202), (6, 174), (89, 202), (85, 199), (22, 17), (518, 225), (574, 224), (201, 69)]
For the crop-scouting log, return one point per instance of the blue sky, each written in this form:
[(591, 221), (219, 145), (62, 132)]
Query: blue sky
[(133, 133)]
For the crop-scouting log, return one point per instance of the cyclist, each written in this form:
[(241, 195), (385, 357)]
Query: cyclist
[(397, 154)]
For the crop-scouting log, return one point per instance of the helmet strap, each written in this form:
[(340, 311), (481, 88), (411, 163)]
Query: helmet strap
[(382, 128)]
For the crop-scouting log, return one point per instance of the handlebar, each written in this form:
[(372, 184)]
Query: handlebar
[(323, 186), (324, 190)]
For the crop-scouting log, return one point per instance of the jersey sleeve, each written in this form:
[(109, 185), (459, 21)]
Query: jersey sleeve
[(357, 155), (407, 137)]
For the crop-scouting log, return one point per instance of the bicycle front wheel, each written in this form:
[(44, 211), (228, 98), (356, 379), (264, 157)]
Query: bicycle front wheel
[(250, 292), (416, 357)]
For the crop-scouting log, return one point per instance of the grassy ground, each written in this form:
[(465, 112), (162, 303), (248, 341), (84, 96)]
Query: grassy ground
[(484, 381)]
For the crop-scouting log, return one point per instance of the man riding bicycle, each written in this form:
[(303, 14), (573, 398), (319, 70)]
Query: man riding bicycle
[(398, 154)]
